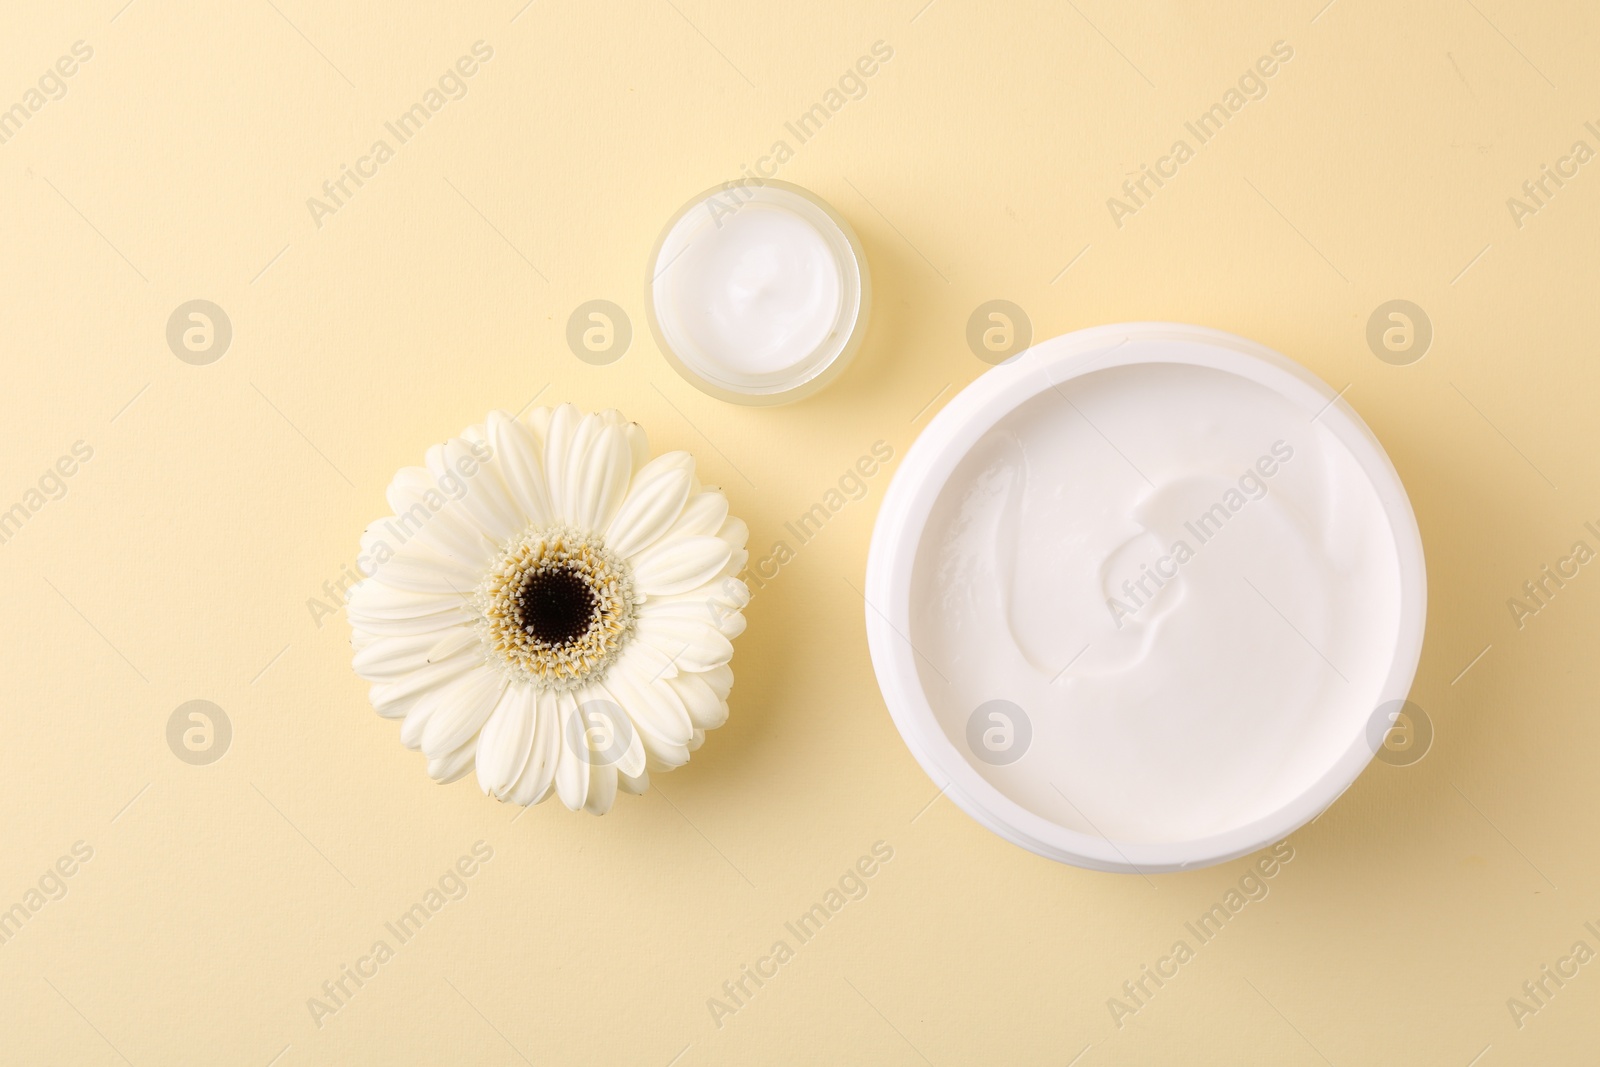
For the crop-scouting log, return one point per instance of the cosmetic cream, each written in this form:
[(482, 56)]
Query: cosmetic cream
[(1136, 596), (758, 294)]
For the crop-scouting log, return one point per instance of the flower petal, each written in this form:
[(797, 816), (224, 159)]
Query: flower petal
[(635, 784), (735, 564), (632, 762), (387, 659), (706, 709), (656, 712), (473, 482), (638, 444), (602, 791), (417, 717), (563, 424), (538, 774), (421, 569), (646, 660), (421, 510), (572, 770), (453, 643), (519, 457), (721, 601), (598, 468), (507, 739), (435, 624), (393, 699), (653, 504), (453, 765), (464, 707), (408, 486), (720, 679), (676, 565), (735, 532), (538, 422), (702, 516), (632, 759), (698, 606), (371, 599), (692, 644)]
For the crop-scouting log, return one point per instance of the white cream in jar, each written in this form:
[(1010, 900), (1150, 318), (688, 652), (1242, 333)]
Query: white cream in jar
[(1140, 599), (758, 293)]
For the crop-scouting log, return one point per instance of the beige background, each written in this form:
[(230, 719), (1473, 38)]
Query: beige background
[(220, 498)]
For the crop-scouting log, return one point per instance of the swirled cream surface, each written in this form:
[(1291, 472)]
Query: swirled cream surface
[(756, 291), (1155, 602), (755, 288)]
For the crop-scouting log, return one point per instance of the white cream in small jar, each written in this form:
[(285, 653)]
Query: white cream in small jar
[(758, 294)]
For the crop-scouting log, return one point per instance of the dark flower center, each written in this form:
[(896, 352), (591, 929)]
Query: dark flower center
[(555, 606)]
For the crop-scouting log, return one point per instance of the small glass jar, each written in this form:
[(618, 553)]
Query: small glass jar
[(758, 293)]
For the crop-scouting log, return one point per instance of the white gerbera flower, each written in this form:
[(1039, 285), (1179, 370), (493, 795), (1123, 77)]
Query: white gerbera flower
[(558, 612)]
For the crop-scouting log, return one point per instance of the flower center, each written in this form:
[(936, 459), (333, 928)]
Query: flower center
[(556, 607)]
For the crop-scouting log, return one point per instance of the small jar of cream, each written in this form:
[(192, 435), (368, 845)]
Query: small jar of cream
[(758, 293)]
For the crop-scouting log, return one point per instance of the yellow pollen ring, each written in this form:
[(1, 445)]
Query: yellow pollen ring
[(571, 664)]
